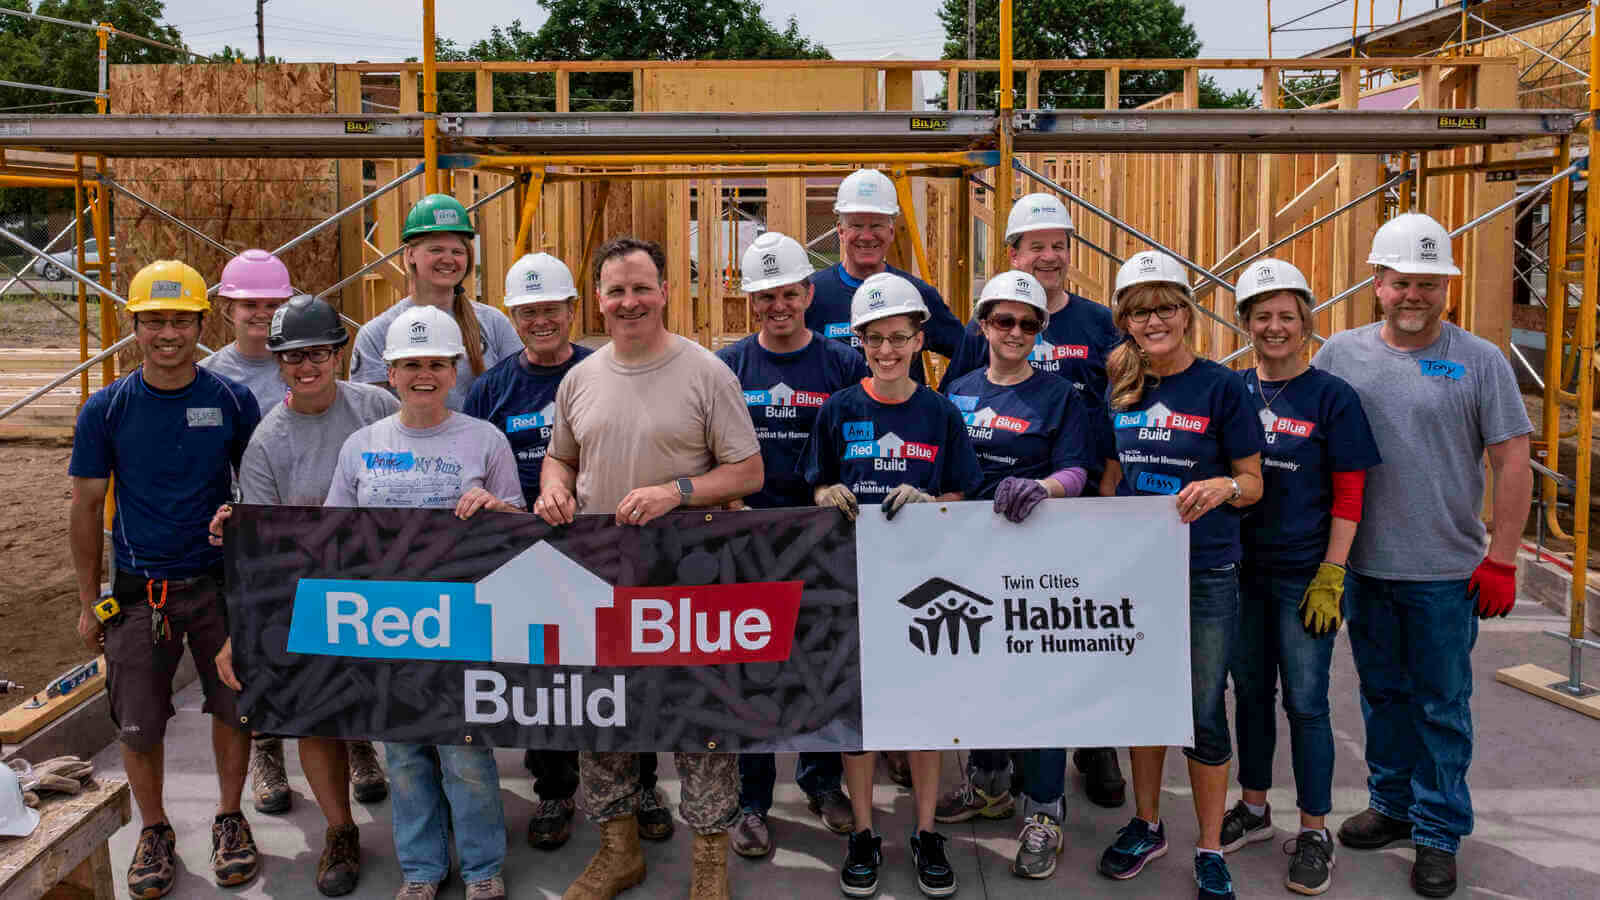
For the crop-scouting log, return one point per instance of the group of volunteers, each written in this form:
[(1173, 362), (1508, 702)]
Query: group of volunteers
[(1344, 488)]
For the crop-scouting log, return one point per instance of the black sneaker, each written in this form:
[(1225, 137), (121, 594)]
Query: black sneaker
[(1370, 829), (1212, 878), (1434, 872), (859, 877), (934, 875), (1310, 863), (1240, 826), (1136, 844), (1103, 783)]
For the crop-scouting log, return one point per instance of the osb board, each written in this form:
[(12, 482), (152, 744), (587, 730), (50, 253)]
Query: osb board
[(774, 90), (240, 203)]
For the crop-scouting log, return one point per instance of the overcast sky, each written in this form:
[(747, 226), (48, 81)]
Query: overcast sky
[(348, 30)]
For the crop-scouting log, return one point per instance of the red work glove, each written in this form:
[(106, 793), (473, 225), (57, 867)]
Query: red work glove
[(1493, 589)]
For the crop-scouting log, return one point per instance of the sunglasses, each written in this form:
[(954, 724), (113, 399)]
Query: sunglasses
[(1006, 322)]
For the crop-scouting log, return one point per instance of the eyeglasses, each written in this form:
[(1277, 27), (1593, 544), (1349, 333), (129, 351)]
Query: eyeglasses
[(896, 340), (315, 354), (1006, 322), (873, 227), (1163, 312), (180, 322)]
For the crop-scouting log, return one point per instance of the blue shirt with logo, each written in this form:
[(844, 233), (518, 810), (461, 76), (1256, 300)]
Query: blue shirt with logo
[(1189, 427), (1313, 427), (1074, 346), (784, 393), (872, 447), (173, 455), (829, 314), (519, 398), (1029, 429)]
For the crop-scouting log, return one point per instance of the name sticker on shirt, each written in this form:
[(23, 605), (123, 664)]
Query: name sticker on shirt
[(1156, 483), (204, 417), (1442, 368)]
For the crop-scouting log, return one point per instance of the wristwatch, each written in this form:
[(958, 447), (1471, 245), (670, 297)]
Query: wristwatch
[(685, 491), (1237, 491)]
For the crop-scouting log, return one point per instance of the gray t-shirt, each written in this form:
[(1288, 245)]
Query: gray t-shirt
[(291, 455), (499, 341), (1433, 411), (260, 376), (388, 464)]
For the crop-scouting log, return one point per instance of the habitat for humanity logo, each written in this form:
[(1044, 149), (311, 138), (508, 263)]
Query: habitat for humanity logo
[(573, 618), (1044, 351), (981, 423), (1159, 421), (889, 452), (544, 418), (944, 612), (781, 394), (1275, 424)]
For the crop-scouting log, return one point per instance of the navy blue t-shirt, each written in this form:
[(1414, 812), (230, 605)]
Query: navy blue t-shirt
[(785, 392), (1029, 429), (1074, 346), (872, 447), (173, 454), (519, 398), (1190, 427), (1315, 426), (829, 314)]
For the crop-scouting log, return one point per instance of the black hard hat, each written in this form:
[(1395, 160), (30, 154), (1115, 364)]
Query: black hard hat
[(305, 321)]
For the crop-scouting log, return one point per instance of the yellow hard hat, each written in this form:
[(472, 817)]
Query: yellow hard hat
[(168, 284)]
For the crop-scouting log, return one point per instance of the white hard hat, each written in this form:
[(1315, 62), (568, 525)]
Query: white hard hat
[(1037, 212), (883, 295), (773, 260), (1015, 285), (1268, 276), (16, 819), (1150, 266), (866, 191), (538, 278), (423, 331), (1415, 244)]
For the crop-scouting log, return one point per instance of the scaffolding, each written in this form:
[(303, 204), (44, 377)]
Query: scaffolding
[(952, 146)]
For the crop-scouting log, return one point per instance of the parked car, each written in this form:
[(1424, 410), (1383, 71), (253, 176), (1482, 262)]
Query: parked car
[(50, 269)]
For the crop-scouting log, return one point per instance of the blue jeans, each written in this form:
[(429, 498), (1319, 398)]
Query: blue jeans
[(816, 773), (1044, 772), (429, 784), (1273, 644), (1213, 626), (1412, 642)]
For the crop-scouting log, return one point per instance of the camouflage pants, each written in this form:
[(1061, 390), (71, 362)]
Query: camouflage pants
[(709, 800)]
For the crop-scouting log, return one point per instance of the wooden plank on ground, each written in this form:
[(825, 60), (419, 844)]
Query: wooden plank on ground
[(1539, 681)]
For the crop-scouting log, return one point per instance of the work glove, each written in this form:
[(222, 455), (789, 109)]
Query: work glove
[(1016, 497), (1493, 589), (900, 496), (839, 497), (1319, 605)]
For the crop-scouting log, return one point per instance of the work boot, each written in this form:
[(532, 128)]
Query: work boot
[(1370, 829), (1434, 872), (268, 783), (234, 859), (491, 888), (551, 825), (616, 866), (367, 781), (751, 837), (655, 819), (1102, 776), (710, 877), (340, 865), (154, 866), (833, 807)]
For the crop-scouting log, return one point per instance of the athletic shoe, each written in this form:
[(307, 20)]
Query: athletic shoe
[(967, 800), (1370, 829), (1310, 863), (750, 836), (234, 860), (1211, 875), (934, 875), (859, 876), (340, 865), (1102, 776), (491, 888), (655, 820), (417, 890), (1136, 844), (269, 785), (1434, 872), (1038, 846), (367, 781), (154, 866), (1240, 826), (833, 807), (551, 825)]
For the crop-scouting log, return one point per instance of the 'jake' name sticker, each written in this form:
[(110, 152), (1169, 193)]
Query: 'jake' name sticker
[(1442, 368)]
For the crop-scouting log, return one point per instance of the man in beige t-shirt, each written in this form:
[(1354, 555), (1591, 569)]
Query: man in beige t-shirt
[(648, 423)]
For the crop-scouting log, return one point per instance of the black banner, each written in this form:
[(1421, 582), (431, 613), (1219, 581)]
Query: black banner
[(725, 631)]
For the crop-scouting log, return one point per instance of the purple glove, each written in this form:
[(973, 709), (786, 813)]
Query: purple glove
[(1016, 497)]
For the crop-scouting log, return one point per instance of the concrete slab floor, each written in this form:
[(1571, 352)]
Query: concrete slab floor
[(1535, 783)]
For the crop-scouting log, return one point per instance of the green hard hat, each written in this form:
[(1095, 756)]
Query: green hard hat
[(437, 213)]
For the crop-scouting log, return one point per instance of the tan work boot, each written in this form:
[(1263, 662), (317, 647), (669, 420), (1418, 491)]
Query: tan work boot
[(616, 866), (710, 868)]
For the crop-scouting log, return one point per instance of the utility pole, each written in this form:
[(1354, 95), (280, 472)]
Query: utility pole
[(972, 53), (261, 36)]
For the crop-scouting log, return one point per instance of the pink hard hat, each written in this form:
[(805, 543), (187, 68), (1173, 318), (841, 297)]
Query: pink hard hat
[(255, 274)]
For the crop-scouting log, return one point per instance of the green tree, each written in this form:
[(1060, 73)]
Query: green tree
[(1308, 90), (1086, 29), (621, 29)]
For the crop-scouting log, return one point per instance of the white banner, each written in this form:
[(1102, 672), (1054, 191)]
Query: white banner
[(1069, 630)]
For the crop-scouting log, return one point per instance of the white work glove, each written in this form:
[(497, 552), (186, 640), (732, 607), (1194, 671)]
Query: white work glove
[(839, 497), (900, 496)]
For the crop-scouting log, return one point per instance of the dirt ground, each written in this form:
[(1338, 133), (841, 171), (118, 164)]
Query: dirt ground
[(27, 321), (38, 596)]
